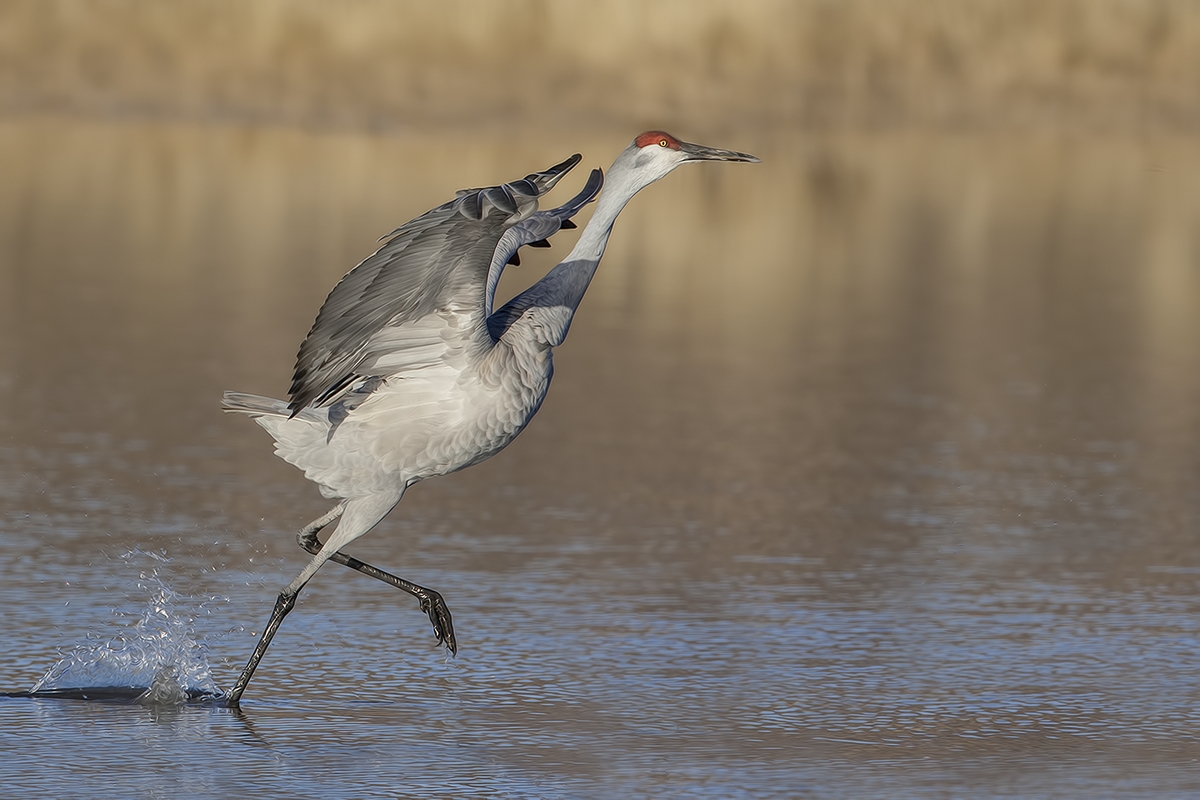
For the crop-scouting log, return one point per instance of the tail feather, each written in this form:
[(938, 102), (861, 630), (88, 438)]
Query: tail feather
[(253, 404), (302, 441), (258, 406)]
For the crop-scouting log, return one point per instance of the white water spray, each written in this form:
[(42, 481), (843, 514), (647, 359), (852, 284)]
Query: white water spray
[(158, 652)]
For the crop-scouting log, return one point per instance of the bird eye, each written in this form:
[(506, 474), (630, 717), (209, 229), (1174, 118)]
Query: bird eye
[(662, 142)]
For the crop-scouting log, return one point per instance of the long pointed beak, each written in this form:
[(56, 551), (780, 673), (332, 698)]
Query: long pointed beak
[(699, 152)]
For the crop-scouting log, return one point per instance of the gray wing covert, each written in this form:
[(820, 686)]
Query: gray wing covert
[(437, 260)]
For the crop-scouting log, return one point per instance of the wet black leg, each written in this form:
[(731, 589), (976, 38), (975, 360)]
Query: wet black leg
[(431, 602), (283, 605)]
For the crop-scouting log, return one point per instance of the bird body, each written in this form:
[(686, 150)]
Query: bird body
[(409, 374), (422, 424)]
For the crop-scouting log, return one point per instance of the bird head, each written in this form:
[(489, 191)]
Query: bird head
[(653, 154)]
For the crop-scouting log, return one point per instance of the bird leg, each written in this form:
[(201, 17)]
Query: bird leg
[(431, 602), (285, 603)]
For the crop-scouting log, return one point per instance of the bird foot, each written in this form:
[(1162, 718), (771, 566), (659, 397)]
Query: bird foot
[(439, 614)]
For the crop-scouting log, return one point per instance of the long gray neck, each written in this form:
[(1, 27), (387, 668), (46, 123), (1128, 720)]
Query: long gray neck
[(618, 191)]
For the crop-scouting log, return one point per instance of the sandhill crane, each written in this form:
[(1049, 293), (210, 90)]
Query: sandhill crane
[(408, 373)]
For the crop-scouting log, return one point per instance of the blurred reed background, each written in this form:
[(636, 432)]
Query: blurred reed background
[(1092, 65)]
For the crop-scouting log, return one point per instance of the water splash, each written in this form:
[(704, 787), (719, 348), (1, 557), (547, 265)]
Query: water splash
[(159, 651)]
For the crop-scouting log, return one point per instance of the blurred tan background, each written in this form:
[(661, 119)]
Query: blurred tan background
[(1094, 65), (946, 186)]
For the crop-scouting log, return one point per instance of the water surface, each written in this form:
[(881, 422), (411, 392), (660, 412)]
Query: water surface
[(870, 470)]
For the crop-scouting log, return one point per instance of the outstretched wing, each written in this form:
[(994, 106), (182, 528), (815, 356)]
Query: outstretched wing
[(535, 231), (438, 261)]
